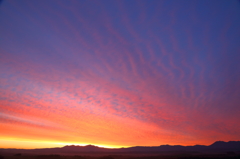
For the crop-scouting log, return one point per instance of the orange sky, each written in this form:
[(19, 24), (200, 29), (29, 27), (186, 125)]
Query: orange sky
[(118, 73)]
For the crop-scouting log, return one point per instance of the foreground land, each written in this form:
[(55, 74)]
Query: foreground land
[(217, 150), (125, 156)]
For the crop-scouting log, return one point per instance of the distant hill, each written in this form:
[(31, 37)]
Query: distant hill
[(219, 146)]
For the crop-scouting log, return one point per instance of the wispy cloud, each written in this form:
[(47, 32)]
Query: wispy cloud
[(120, 72)]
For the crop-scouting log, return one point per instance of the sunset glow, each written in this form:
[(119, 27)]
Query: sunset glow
[(119, 73)]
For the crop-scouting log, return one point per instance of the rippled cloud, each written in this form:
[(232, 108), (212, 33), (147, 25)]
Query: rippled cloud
[(120, 73)]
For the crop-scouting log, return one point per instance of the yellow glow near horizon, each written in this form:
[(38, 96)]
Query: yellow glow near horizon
[(34, 144), (104, 146)]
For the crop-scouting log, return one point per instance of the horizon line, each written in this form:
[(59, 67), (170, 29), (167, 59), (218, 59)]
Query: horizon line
[(111, 147)]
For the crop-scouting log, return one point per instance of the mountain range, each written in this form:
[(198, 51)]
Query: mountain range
[(218, 146)]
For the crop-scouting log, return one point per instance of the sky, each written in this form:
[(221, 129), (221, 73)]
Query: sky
[(119, 73)]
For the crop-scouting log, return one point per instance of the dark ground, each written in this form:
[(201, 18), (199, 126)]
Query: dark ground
[(229, 155)]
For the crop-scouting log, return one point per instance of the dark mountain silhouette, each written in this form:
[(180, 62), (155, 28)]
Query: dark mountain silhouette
[(88, 148), (219, 146)]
